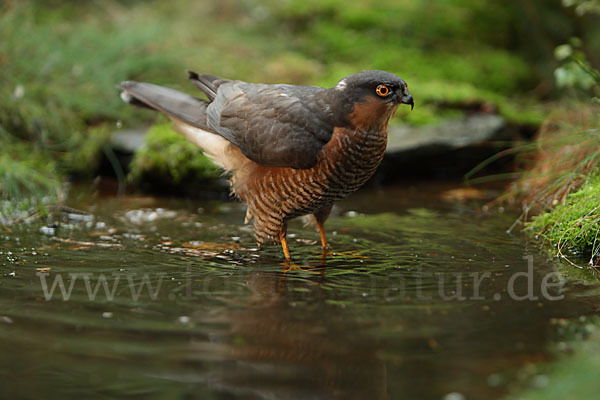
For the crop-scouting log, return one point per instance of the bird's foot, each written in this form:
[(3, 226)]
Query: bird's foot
[(290, 266)]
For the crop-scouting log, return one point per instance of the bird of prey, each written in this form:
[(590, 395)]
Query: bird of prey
[(291, 150)]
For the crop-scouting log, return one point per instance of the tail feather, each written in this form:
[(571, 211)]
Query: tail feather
[(209, 84), (177, 105), (189, 115)]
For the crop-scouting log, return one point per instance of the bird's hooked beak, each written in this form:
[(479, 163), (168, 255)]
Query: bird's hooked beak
[(407, 99)]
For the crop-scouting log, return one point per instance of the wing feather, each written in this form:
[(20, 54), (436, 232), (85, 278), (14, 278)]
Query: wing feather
[(273, 125), (209, 84)]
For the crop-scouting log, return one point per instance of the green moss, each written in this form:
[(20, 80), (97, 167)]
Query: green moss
[(575, 224), (168, 160)]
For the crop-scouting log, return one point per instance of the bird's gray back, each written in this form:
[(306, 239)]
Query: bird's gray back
[(274, 125)]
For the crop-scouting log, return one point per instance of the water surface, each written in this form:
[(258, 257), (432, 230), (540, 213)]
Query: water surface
[(168, 298)]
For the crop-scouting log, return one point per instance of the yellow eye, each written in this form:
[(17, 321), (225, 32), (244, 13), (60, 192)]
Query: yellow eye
[(382, 90)]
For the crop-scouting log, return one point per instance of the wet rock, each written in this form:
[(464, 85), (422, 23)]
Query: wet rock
[(123, 145), (48, 230), (445, 150), (128, 141)]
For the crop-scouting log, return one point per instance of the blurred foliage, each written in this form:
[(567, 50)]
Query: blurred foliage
[(59, 77), (28, 178), (583, 7), (418, 40), (61, 60), (576, 71), (565, 154)]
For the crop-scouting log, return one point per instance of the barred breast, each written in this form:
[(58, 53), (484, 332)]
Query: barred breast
[(276, 195)]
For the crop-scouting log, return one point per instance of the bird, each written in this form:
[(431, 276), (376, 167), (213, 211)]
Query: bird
[(291, 151)]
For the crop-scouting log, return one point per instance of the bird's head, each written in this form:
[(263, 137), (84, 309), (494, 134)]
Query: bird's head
[(371, 97)]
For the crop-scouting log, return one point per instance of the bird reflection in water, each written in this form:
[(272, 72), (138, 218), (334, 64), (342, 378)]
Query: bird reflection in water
[(277, 348)]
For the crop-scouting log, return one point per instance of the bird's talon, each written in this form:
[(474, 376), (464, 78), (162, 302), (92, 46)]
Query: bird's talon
[(292, 266)]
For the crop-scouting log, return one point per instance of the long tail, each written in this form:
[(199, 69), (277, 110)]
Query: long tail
[(189, 114), (180, 106)]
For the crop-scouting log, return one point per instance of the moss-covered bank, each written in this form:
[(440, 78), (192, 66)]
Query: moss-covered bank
[(559, 191), (572, 227), (560, 195)]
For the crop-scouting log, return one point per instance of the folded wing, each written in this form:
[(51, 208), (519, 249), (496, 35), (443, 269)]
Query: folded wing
[(273, 125)]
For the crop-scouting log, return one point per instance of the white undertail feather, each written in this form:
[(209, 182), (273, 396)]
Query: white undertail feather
[(223, 153), (126, 97)]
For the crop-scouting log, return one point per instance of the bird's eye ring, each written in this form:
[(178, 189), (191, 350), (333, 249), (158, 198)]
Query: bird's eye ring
[(382, 90)]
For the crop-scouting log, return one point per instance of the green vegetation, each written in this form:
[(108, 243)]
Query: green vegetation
[(61, 60), (29, 179), (57, 97), (168, 160), (561, 184), (563, 176), (575, 223), (59, 78)]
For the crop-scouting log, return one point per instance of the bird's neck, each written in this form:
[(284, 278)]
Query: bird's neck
[(355, 153), (371, 116)]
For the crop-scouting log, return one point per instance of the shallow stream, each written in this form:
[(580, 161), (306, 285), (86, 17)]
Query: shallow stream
[(423, 296)]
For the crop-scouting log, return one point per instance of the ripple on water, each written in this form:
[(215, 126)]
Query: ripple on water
[(163, 298)]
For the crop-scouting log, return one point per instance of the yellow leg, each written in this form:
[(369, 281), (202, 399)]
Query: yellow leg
[(284, 246), (322, 233), (289, 264)]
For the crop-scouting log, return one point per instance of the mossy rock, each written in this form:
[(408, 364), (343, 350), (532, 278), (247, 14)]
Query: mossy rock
[(168, 164), (573, 227)]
